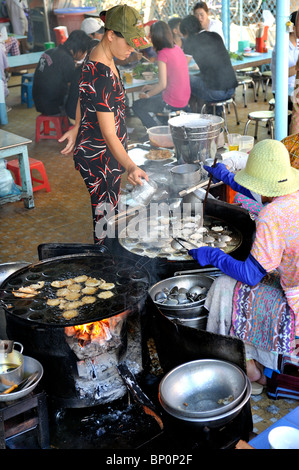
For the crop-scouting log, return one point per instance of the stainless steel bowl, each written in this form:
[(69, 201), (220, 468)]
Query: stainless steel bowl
[(188, 281), (221, 419), (6, 269), (202, 389), (31, 365)]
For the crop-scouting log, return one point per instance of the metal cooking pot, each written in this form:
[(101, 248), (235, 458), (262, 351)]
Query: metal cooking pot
[(186, 310), (186, 175), (11, 367), (199, 322), (203, 390), (31, 365)]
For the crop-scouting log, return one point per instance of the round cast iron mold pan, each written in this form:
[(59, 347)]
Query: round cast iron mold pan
[(131, 286)]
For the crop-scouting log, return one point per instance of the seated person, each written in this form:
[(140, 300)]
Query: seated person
[(292, 144), (174, 24), (12, 46), (150, 54), (217, 79), (9, 44), (257, 299), (225, 172), (201, 11), (172, 92), (73, 93), (94, 27), (55, 71), (3, 70)]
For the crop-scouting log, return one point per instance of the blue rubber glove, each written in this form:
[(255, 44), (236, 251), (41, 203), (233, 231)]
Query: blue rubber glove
[(221, 173), (249, 271)]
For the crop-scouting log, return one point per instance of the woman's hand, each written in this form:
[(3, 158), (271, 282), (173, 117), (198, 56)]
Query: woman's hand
[(144, 92), (146, 88), (70, 136), (135, 174)]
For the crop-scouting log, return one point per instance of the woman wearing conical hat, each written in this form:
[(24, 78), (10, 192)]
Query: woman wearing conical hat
[(257, 299)]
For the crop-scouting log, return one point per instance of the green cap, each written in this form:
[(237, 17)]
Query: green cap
[(127, 21)]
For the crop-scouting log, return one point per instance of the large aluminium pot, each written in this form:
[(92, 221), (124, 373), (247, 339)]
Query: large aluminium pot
[(204, 392)]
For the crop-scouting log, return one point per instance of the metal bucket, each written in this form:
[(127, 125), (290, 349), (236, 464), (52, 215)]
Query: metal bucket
[(194, 134)]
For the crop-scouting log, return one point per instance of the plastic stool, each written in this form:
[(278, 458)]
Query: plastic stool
[(13, 166), (61, 125), (26, 94), (261, 116), (27, 77)]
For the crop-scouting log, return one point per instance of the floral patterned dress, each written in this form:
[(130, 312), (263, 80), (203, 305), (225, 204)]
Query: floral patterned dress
[(100, 90)]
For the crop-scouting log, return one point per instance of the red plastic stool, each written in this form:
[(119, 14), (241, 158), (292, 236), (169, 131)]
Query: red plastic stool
[(61, 125), (13, 166)]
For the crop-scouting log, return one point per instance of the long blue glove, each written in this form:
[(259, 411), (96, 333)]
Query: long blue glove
[(221, 173), (249, 271)]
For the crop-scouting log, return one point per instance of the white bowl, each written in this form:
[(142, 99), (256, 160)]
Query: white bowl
[(284, 437), (148, 75)]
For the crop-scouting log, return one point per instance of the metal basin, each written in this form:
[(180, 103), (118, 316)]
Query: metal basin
[(202, 389)]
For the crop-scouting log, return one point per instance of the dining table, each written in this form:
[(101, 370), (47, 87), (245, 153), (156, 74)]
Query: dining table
[(27, 61), (12, 145), (251, 59)]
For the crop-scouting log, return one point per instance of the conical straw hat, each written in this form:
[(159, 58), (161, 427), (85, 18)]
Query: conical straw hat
[(268, 170)]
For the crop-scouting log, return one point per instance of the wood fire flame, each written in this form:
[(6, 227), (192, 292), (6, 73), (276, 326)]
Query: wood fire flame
[(98, 331)]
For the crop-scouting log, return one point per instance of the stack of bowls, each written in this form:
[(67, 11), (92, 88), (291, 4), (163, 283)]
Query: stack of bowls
[(206, 392), (189, 312)]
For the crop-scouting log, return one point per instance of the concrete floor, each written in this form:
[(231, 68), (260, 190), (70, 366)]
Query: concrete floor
[(64, 215)]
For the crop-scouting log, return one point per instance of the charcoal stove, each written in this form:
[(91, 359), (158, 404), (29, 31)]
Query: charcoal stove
[(80, 354), (88, 423)]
